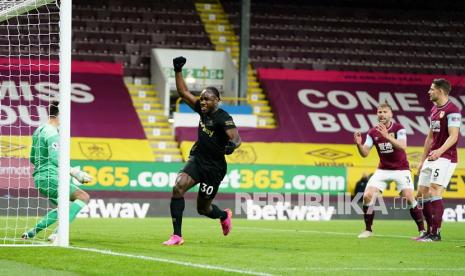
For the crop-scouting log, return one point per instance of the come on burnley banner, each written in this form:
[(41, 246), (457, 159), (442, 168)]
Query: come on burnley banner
[(328, 106)]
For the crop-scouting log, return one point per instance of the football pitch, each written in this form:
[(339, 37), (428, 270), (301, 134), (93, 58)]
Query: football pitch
[(133, 247)]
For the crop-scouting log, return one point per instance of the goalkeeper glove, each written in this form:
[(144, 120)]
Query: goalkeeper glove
[(178, 63), (80, 176), (229, 148)]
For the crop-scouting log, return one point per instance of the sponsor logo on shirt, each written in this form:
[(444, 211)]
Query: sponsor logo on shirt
[(229, 123), (385, 147), (55, 146), (206, 130), (209, 123), (436, 126)]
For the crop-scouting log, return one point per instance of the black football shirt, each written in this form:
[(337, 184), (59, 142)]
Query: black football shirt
[(212, 137)]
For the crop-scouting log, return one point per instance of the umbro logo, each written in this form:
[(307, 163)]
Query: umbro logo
[(330, 154)]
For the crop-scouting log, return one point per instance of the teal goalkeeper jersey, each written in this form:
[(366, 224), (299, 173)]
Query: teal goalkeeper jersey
[(44, 152)]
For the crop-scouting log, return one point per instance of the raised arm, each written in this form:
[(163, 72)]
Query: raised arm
[(364, 150), (181, 86)]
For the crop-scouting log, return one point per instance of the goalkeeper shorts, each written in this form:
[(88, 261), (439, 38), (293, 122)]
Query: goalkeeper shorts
[(49, 188)]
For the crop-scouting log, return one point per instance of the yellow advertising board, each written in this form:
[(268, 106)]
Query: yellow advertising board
[(334, 155), (111, 149), (85, 148)]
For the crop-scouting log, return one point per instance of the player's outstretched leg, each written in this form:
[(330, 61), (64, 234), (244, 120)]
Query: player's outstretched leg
[(415, 211), (204, 207), (437, 205), (226, 224), (424, 201), (428, 213), (417, 216), (79, 198), (368, 212), (176, 208), (183, 183), (437, 210), (49, 219)]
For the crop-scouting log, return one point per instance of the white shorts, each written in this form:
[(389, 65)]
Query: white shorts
[(437, 172), (381, 178)]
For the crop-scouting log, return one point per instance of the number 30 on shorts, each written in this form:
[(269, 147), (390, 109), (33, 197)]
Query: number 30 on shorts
[(204, 188)]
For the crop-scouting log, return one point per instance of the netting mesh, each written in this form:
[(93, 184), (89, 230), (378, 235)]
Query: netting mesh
[(29, 68)]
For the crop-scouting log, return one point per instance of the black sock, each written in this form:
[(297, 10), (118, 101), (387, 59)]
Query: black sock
[(177, 208), (217, 213)]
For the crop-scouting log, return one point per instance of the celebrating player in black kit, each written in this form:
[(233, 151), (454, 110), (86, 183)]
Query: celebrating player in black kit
[(217, 136)]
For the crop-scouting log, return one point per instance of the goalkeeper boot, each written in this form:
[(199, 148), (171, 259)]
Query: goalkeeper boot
[(52, 237), (226, 224), (174, 240), (365, 234), (28, 235)]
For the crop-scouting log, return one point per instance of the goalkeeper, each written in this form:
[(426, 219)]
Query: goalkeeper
[(44, 157)]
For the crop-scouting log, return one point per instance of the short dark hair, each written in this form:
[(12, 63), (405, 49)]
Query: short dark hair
[(443, 84), (213, 90), (53, 110), (385, 104)]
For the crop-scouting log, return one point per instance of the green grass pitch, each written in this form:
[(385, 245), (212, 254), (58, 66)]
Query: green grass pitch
[(133, 247)]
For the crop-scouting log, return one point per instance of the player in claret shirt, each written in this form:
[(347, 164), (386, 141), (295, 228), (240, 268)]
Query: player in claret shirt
[(217, 136), (390, 140), (439, 157)]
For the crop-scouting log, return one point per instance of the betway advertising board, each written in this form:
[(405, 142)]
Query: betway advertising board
[(139, 208)]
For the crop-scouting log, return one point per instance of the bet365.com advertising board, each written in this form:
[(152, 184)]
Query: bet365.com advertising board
[(160, 177), (240, 178)]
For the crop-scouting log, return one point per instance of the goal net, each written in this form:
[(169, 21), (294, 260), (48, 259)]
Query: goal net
[(29, 81)]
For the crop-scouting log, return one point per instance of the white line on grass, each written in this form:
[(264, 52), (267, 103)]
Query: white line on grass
[(163, 260), (314, 232), (338, 269), (324, 232)]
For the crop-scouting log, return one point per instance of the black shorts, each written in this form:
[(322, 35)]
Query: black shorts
[(207, 174)]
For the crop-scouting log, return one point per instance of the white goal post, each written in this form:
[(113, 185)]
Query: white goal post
[(35, 53)]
